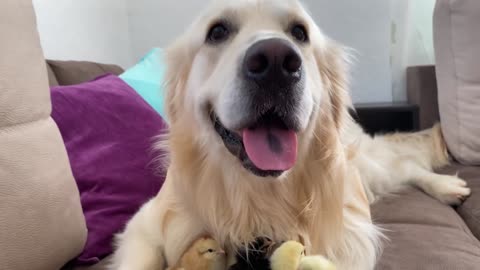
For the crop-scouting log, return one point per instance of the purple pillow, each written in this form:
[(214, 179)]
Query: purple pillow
[(108, 130)]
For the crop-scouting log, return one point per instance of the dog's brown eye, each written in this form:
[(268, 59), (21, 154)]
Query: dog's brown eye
[(300, 33), (218, 33)]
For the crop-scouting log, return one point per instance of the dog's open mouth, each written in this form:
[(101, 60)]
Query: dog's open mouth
[(266, 148)]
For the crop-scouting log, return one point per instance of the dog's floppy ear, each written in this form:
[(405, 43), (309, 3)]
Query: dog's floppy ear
[(179, 57), (333, 64)]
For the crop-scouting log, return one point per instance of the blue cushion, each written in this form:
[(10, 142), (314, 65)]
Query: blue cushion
[(146, 77)]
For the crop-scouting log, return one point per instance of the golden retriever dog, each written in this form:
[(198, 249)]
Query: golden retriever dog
[(260, 143)]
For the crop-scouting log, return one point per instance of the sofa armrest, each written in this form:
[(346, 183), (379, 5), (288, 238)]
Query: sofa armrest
[(42, 225), (422, 91)]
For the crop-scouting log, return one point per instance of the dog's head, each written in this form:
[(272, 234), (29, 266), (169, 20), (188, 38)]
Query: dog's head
[(254, 77)]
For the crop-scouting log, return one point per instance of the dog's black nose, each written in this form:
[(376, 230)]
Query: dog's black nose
[(272, 60)]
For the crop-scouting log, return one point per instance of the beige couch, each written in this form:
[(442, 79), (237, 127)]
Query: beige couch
[(41, 220), (41, 223)]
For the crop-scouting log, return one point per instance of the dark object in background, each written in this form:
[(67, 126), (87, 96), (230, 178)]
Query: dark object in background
[(256, 257), (387, 117), (422, 91)]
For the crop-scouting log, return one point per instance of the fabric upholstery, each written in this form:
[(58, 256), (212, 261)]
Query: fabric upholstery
[(20, 55), (103, 265), (52, 78), (424, 234), (457, 44), (109, 131), (41, 220), (76, 72)]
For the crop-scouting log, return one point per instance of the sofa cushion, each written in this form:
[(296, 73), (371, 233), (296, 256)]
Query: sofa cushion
[(109, 131), (103, 265), (424, 234), (458, 61), (146, 77), (76, 72), (41, 220), (470, 209)]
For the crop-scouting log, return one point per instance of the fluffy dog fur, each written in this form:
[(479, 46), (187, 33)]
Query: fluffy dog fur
[(320, 202), (392, 161)]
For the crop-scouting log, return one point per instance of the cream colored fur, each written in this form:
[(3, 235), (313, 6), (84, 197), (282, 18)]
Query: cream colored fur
[(320, 202), (390, 162)]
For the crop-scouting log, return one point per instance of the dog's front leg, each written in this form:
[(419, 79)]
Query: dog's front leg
[(155, 237), (141, 245)]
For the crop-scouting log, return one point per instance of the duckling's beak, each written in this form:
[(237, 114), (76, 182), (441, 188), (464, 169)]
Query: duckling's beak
[(221, 252)]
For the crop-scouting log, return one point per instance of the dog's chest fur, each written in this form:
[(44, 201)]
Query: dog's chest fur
[(241, 209)]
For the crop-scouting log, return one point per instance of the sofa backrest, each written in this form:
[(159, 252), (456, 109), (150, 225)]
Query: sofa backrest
[(75, 72), (41, 221), (457, 49)]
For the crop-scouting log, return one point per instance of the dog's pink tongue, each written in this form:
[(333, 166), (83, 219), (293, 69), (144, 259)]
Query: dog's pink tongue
[(271, 149)]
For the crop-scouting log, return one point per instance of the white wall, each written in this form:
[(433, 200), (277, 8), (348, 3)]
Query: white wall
[(412, 40), (363, 25), (420, 48), (399, 44), (155, 23), (122, 31), (388, 36), (95, 30)]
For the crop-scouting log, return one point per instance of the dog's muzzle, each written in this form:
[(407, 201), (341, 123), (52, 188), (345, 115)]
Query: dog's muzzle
[(265, 137)]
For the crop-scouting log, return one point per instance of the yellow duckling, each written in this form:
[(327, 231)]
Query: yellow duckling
[(204, 254), (291, 256)]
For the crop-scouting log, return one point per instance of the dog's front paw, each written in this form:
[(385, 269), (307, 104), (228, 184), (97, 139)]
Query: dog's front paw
[(450, 190)]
